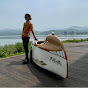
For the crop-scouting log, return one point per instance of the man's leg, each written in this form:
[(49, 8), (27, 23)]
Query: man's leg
[(25, 45), (26, 49)]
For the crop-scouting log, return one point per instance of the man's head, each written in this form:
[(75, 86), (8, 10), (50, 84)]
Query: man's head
[(27, 17)]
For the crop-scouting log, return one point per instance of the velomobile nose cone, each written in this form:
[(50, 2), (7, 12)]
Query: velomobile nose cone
[(52, 43)]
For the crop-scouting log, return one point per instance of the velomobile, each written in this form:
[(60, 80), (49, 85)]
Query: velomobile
[(50, 55)]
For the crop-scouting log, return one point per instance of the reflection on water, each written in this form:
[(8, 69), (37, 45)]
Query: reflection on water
[(12, 39)]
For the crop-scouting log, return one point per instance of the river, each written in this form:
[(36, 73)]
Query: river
[(12, 39)]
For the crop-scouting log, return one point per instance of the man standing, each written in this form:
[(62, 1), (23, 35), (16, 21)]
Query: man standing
[(27, 28)]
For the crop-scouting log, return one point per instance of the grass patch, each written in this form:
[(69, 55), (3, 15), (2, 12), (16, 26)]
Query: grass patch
[(11, 50), (75, 41)]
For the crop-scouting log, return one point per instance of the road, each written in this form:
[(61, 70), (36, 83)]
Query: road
[(14, 74)]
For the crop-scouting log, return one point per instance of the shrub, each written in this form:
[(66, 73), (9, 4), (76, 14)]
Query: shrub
[(75, 41), (9, 50)]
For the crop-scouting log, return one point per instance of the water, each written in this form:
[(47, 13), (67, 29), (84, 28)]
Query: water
[(12, 39)]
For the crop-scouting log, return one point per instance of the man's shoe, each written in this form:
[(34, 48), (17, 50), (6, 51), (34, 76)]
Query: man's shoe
[(25, 61)]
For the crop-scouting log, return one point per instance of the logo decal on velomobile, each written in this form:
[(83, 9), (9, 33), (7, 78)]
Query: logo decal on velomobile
[(55, 61)]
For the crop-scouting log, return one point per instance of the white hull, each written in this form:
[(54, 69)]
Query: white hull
[(52, 62)]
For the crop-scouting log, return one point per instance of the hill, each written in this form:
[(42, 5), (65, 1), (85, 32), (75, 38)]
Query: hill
[(74, 30)]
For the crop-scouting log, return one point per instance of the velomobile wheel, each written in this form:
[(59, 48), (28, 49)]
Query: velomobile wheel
[(59, 77)]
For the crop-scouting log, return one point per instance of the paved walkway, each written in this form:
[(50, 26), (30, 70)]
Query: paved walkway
[(14, 74)]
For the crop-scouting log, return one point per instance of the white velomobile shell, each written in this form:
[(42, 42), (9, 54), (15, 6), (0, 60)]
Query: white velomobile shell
[(50, 55)]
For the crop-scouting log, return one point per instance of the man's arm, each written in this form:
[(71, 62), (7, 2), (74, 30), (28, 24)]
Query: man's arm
[(22, 31), (31, 27), (33, 33)]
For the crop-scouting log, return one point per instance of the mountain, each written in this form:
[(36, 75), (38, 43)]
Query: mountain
[(77, 30), (5, 32), (73, 30)]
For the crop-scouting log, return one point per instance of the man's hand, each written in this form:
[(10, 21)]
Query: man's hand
[(36, 39)]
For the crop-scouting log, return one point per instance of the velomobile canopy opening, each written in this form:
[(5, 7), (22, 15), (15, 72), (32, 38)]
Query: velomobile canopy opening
[(51, 43)]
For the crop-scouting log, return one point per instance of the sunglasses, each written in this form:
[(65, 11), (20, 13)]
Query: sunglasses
[(25, 17)]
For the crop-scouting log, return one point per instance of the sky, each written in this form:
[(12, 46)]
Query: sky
[(46, 14)]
